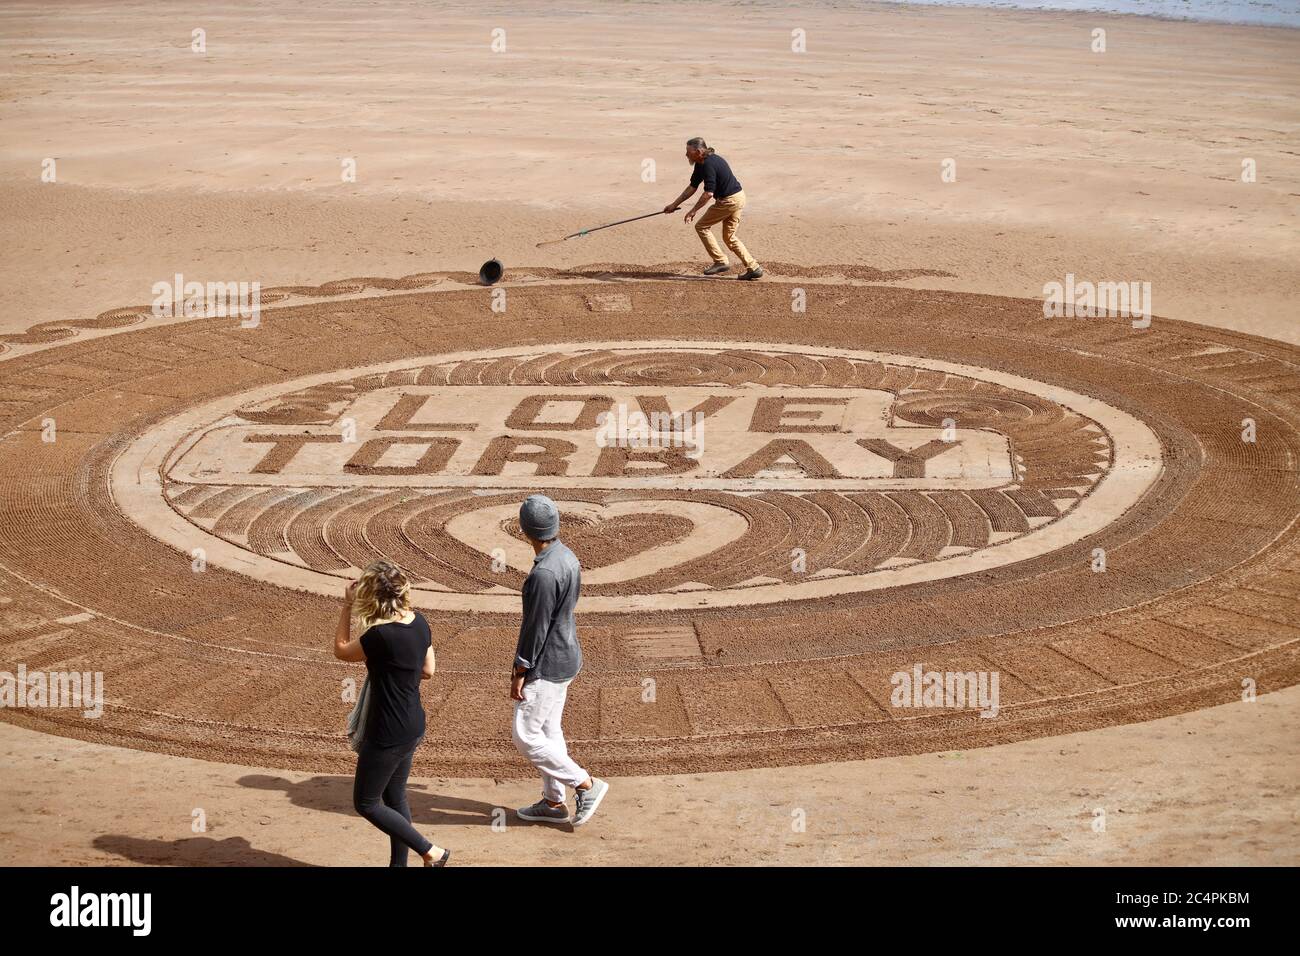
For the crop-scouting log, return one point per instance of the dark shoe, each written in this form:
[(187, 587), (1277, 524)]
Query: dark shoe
[(442, 860), (754, 273), (717, 268)]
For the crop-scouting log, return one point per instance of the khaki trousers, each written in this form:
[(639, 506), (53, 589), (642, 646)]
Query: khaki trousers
[(727, 212)]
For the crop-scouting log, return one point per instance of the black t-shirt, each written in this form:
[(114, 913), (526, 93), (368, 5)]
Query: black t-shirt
[(717, 177), (395, 657)]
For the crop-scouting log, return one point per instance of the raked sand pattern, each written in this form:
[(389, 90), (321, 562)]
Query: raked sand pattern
[(943, 466)]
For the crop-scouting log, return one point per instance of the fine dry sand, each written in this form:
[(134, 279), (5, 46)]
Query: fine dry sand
[(225, 166), (1215, 787), (1123, 165)]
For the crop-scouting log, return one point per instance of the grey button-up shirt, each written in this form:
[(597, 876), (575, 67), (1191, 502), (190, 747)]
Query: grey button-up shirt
[(548, 638)]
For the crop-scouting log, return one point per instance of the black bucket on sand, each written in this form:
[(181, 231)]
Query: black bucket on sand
[(491, 272)]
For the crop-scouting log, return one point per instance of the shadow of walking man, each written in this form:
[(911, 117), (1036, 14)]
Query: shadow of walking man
[(333, 794)]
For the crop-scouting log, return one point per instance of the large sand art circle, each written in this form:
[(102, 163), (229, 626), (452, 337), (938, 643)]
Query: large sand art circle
[(704, 512), (894, 482)]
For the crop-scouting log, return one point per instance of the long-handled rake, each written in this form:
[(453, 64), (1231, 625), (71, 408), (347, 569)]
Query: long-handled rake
[(584, 232)]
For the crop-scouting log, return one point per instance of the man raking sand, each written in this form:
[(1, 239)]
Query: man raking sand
[(720, 185)]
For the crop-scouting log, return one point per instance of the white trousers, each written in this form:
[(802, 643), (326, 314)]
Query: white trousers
[(540, 739)]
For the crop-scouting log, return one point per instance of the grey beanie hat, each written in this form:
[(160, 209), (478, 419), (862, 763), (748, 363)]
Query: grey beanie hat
[(539, 517)]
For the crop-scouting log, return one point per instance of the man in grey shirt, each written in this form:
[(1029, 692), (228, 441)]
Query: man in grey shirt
[(547, 659)]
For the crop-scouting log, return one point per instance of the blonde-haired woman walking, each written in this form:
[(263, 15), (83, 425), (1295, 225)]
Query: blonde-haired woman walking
[(398, 650)]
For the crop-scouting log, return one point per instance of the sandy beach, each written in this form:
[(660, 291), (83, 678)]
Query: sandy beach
[(228, 165), (1213, 788), (1125, 165)]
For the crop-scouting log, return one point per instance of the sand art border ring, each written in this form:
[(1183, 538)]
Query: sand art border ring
[(1199, 592)]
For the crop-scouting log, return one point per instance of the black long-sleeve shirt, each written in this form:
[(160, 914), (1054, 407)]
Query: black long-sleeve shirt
[(716, 175), (548, 637)]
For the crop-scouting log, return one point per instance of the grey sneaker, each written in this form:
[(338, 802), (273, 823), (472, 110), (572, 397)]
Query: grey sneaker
[(717, 268), (588, 800), (543, 812), (754, 273)]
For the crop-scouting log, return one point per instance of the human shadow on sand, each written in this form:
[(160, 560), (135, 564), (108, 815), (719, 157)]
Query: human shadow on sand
[(692, 272), (334, 795), (625, 275), (192, 851)]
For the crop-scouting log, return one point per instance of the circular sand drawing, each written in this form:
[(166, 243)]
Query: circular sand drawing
[(902, 521), (709, 475)]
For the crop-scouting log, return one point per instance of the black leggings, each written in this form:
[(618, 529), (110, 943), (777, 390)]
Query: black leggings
[(379, 795)]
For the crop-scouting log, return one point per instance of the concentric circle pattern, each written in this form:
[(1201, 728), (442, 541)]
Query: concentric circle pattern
[(1101, 516)]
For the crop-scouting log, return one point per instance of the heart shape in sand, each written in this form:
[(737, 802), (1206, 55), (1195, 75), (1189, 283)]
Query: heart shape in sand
[(615, 542), (602, 540)]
